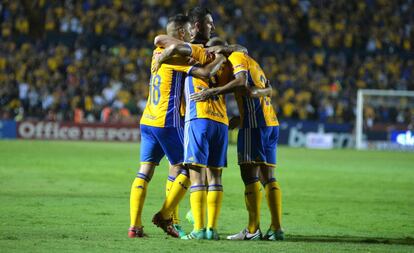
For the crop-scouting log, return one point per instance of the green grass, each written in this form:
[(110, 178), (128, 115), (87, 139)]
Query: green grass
[(74, 196)]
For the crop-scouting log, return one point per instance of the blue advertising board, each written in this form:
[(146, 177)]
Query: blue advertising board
[(8, 129), (405, 138), (294, 133)]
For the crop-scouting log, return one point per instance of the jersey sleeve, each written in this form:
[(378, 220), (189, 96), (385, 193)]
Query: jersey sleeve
[(239, 62), (200, 54)]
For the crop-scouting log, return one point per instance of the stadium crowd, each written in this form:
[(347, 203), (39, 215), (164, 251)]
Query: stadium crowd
[(88, 60)]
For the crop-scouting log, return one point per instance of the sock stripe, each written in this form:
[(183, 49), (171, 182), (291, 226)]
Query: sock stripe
[(195, 188), (143, 176), (215, 188), (171, 178), (215, 185), (185, 173)]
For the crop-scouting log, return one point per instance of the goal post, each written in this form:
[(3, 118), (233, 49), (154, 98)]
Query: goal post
[(362, 94)]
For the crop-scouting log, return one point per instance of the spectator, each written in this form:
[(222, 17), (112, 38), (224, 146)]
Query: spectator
[(92, 54)]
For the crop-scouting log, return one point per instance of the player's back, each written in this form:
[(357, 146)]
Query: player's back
[(255, 112), (165, 91)]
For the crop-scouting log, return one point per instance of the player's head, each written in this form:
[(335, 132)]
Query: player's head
[(216, 41), (178, 26), (202, 24)]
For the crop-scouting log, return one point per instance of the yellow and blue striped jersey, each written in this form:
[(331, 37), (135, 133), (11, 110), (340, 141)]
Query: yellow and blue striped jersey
[(213, 108), (165, 93), (254, 112)]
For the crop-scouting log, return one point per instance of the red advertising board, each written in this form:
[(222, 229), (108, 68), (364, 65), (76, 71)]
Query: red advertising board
[(47, 130)]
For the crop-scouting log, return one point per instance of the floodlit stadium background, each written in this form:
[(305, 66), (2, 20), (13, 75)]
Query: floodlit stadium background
[(88, 61)]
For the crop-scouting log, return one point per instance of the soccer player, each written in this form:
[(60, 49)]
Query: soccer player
[(162, 131), (205, 137), (256, 145)]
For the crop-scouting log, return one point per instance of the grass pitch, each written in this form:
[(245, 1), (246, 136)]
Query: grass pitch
[(74, 197)]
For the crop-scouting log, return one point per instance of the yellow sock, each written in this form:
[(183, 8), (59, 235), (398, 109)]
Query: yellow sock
[(274, 201), (175, 216), (253, 199), (168, 186), (136, 202), (177, 192), (214, 200), (198, 199)]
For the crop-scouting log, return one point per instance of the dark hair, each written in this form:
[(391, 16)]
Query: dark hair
[(198, 14), (179, 19)]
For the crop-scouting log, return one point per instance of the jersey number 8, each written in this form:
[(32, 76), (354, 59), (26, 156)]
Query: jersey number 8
[(154, 89)]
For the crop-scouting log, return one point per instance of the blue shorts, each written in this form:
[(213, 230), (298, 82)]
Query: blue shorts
[(159, 141), (257, 145), (205, 143)]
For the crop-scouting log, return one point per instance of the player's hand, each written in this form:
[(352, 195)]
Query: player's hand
[(253, 92), (157, 64), (234, 122), (158, 61), (202, 95)]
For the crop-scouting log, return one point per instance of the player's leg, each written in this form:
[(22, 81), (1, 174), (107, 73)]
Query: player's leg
[(137, 199), (253, 199), (252, 195), (195, 157), (217, 137), (173, 172), (198, 198), (249, 149), (180, 173), (271, 185), (151, 154), (172, 145), (177, 192), (178, 188), (214, 201), (274, 202)]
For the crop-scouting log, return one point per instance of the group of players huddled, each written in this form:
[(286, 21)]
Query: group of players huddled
[(185, 119)]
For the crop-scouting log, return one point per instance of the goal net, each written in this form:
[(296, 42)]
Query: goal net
[(385, 120)]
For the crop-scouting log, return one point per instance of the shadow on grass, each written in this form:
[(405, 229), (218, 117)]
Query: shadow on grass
[(350, 239)]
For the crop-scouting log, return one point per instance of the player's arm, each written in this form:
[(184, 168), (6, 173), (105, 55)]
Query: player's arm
[(209, 70), (256, 92), (239, 82), (182, 49), (204, 72), (185, 50), (165, 41)]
